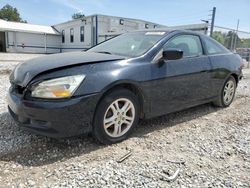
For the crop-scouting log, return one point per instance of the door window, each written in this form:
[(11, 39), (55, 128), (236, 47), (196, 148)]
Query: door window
[(189, 44)]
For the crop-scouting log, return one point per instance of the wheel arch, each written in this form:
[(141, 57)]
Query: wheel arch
[(129, 85), (235, 77)]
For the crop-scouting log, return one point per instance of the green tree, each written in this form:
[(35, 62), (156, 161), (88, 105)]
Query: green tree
[(219, 36), (230, 40), (245, 43), (10, 13), (78, 15)]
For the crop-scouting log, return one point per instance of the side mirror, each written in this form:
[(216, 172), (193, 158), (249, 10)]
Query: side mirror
[(172, 54)]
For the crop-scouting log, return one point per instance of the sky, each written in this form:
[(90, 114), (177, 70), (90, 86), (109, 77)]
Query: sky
[(165, 12)]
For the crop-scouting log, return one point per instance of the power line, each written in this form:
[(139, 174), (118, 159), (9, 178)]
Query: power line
[(227, 28), (189, 17), (187, 21)]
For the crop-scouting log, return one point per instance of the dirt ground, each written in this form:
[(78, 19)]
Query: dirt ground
[(213, 142)]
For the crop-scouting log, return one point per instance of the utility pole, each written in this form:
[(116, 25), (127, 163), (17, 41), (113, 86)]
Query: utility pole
[(212, 23), (232, 41), (236, 35)]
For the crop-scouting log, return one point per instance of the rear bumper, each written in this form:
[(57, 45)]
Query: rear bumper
[(58, 119)]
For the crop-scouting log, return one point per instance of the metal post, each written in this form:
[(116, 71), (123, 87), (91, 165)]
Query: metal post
[(232, 41), (14, 41), (207, 24), (236, 34), (45, 42), (212, 23), (6, 40), (92, 31), (96, 30)]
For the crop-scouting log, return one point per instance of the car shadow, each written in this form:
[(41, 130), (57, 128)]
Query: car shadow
[(28, 149)]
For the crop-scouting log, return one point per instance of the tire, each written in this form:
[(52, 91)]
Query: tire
[(116, 116), (227, 93)]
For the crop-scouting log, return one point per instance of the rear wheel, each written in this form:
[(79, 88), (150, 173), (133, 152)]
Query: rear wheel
[(227, 93), (116, 116)]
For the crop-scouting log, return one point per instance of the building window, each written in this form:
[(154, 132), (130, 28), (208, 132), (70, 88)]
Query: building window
[(63, 36), (82, 33), (121, 22), (155, 26), (71, 35), (146, 26)]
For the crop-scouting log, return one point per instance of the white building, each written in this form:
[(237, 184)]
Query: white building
[(79, 34), (86, 32), (23, 37)]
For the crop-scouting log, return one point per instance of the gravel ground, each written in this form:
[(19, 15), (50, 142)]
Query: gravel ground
[(213, 142)]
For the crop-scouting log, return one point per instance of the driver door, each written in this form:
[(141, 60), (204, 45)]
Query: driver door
[(181, 83)]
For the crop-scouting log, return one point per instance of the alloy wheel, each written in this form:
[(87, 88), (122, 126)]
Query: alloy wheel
[(119, 117), (228, 92)]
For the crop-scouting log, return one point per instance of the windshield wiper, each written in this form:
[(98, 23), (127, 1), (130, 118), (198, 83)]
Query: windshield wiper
[(103, 52)]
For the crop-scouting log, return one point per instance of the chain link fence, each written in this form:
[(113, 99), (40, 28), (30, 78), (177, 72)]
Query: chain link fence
[(236, 41)]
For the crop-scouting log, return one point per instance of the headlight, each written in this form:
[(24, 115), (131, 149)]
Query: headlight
[(57, 88)]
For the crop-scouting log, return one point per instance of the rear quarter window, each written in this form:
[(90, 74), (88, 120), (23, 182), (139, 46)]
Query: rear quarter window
[(213, 47)]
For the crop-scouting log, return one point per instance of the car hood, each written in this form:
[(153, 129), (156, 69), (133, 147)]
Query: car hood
[(26, 71)]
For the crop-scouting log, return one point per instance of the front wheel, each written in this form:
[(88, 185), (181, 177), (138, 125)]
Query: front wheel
[(116, 116), (227, 93)]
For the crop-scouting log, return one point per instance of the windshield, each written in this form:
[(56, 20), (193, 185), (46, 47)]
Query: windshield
[(129, 44)]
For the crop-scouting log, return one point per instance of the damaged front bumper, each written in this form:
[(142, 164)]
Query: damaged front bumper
[(52, 118)]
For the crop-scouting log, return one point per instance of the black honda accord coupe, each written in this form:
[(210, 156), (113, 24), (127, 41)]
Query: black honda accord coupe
[(108, 88)]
